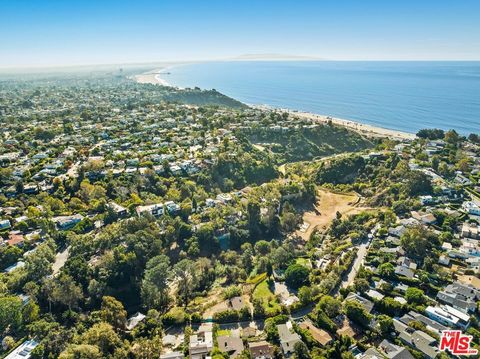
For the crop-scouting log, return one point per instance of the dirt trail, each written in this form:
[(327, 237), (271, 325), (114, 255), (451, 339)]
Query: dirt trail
[(326, 208)]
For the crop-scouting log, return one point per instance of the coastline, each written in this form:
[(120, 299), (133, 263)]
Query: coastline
[(362, 128), (153, 77)]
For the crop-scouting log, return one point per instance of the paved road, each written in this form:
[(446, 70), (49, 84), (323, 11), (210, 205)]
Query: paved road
[(361, 253)]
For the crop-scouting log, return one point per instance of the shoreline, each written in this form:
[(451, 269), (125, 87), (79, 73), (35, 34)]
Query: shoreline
[(362, 128), (153, 77)]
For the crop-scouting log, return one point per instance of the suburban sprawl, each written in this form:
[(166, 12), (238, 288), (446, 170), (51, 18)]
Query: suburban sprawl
[(145, 221)]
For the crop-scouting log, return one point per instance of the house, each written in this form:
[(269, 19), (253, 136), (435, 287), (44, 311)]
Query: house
[(370, 353), (430, 324), (447, 246), (236, 303), (4, 224), (456, 300), (155, 210), (393, 351), (400, 300), (424, 200), (470, 231), (67, 222), (407, 263), (471, 208), (473, 264), (23, 351), (261, 350), (404, 271), (465, 290), (421, 341), (365, 303), (462, 180), (444, 260), (470, 247), (176, 170), (449, 316), (200, 344), (172, 207), (233, 346), (120, 211), (30, 188), (134, 320), (397, 231), (374, 294), (15, 239), (394, 241), (319, 335), (288, 338), (469, 280), (19, 264), (424, 217), (402, 288)]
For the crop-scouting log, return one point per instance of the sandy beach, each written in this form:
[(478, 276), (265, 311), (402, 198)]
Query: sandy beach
[(364, 129), (152, 77)]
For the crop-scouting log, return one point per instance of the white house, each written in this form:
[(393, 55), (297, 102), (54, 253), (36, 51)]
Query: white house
[(155, 210), (471, 208)]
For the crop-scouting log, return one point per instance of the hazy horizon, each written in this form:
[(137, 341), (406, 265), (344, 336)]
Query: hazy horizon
[(39, 34)]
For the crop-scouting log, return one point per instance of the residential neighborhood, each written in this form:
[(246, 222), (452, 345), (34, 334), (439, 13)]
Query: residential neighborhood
[(142, 221)]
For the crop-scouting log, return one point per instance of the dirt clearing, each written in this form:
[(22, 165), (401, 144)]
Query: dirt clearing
[(326, 208)]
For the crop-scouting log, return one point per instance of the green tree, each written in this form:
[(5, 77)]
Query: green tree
[(81, 351), (66, 291), (361, 284), (385, 325), (103, 336), (296, 275), (330, 306), (185, 273), (357, 313), (10, 313), (155, 282), (417, 241), (301, 351), (414, 296), (113, 312), (386, 270), (39, 263)]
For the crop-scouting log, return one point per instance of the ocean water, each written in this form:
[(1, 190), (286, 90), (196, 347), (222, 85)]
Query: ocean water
[(405, 96)]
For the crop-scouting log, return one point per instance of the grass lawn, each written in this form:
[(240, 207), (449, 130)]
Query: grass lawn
[(304, 262), (223, 332), (263, 292), (257, 278)]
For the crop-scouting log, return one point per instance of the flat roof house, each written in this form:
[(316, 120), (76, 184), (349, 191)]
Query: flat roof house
[(155, 210), (67, 222), (23, 351), (200, 345), (288, 338)]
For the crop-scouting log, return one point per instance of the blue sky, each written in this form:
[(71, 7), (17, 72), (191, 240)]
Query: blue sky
[(45, 33)]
